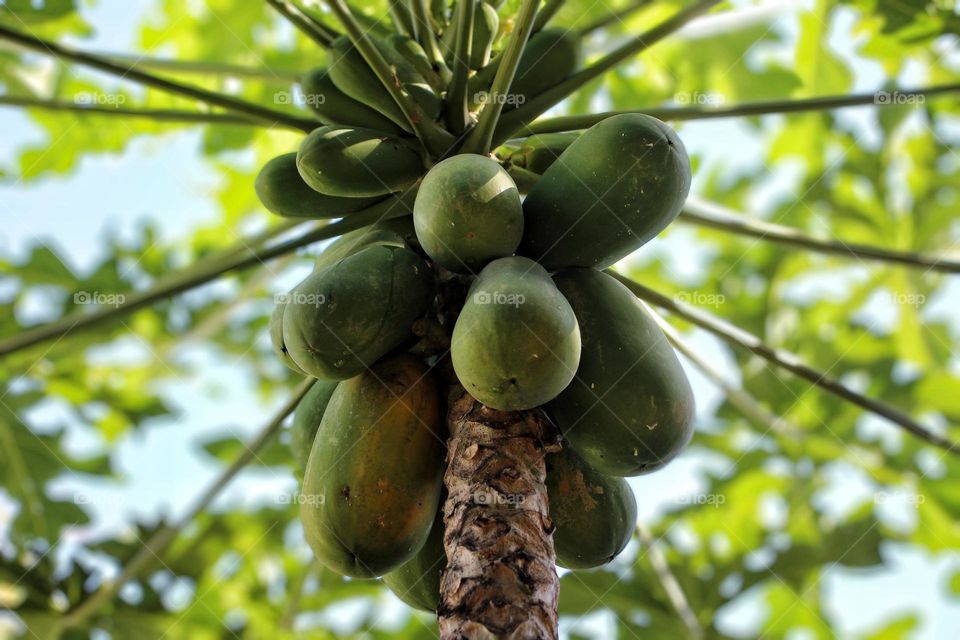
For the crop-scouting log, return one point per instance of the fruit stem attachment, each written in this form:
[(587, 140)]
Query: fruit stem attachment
[(425, 33), (402, 20), (457, 113), (480, 139), (307, 24), (130, 72), (500, 580)]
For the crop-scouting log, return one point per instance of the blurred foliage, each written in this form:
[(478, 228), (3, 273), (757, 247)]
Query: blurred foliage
[(239, 572)]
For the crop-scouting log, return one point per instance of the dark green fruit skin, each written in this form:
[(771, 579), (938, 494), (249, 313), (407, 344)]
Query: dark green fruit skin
[(538, 152), (343, 318), (396, 232), (374, 478), (283, 191), (417, 581), (345, 161), (486, 23), (630, 408), (516, 344), (594, 514), (276, 338), (333, 106), (306, 420), (549, 57), (468, 212), (411, 52), (616, 187)]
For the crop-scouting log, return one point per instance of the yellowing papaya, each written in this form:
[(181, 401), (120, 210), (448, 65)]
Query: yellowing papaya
[(417, 581), (630, 409), (276, 337), (594, 514), (344, 161), (343, 318), (516, 344), (306, 420), (374, 477), (333, 106), (396, 232), (538, 152), (282, 191), (468, 212), (615, 187)]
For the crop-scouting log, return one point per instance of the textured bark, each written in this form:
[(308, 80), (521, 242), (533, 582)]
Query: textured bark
[(500, 580)]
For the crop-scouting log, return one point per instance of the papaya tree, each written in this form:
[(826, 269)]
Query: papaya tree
[(494, 344)]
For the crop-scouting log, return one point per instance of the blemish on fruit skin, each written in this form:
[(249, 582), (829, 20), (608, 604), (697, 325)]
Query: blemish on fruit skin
[(345, 492)]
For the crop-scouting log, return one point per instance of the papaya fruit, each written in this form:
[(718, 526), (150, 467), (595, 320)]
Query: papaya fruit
[(374, 476), (276, 337), (486, 24), (410, 51), (594, 514), (333, 106), (306, 420), (516, 343), (538, 152), (396, 232), (468, 212), (283, 192), (613, 189), (344, 161), (549, 57), (630, 408), (343, 318), (417, 581)]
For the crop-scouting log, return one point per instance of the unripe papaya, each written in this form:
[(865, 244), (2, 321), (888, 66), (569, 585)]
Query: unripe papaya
[(630, 409), (306, 420), (417, 581), (411, 51), (614, 188), (333, 106), (486, 23), (374, 477), (549, 57), (276, 337), (282, 191), (343, 161), (396, 232), (538, 152), (343, 318), (594, 514), (468, 213), (516, 344)]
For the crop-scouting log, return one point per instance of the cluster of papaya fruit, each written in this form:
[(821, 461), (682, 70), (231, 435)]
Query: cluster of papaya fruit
[(537, 323)]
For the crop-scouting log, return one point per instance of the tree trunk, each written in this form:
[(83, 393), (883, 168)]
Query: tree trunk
[(500, 580)]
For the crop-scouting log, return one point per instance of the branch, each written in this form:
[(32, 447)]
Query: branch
[(236, 105), (202, 67), (616, 16), (163, 115), (716, 217), (676, 596), (517, 118), (480, 139), (161, 540), (550, 9), (786, 360), (877, 98), (307, 24), (199, 274)]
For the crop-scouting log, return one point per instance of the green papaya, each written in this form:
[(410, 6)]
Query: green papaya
[(306, 420), (538, 152), (630, 409), (516, 344), (282, 191), (468, 212), (411, 51), (374, 477), (343, 161), (396, 232), (614, 188), (595, 515), (549, 57), (486, 23), (276, 337), (333, 106), (343, 318), (417, 581)]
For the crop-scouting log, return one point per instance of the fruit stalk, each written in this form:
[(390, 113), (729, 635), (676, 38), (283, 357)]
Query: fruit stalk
[(500, 579)]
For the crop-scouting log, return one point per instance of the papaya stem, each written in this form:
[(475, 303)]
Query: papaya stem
[(500, 579), (307, 24), (160, 541), (550, 9), (480, 139), (786, 360), (426, 35), (527, 112), (615, 16), (457, 112), (574, 123), (714, 216), (402, 20), (160, 115), (130, 72), (202, 272), (671, 586)]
